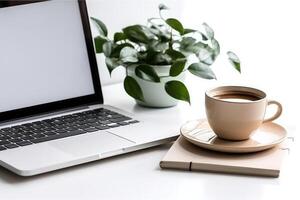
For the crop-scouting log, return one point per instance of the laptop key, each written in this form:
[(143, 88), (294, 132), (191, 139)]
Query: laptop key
[(105, 122), (50, 133), (113, 125), (61, 131), (36, 126), (14, 131), (59, 136), (94, 124), (91, 120), (24, 143), (39, 135), (16, 135), (2, 148), (16, 140), (2, 142), (44, 139), (123, 123), (84, 126), (37, 131), (11, 146), (77, 132), (71, 129), (91, 129), (8, 134), (116, 120), (101, 127), (133, 122), (27, 138), (4, 138), (28, 133)]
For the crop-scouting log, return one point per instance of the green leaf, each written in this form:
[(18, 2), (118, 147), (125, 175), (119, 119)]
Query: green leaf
[(99, 41), (215, 46), (146, 72), (177, 90), (187, 45), (161, 59), (197, 47), (175, 54), (118, 36), (177, 67), (176, 25), (201, 70), (209, 31), (188, 30), (204, 38), (128, 54), (115, 53), (157, 58), (162, 7), (133, 89), (107, 46), (206, 53), (157, 26), (138, 33), (186, 42), (209, 60), (234, 60), (111, 64), (192, 47), (161, 34), (100, 26), (158, 46)]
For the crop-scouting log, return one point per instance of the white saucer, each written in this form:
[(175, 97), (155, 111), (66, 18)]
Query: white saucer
[(199, 133)]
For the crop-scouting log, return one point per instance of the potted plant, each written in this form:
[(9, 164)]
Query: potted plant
[(156, 57)]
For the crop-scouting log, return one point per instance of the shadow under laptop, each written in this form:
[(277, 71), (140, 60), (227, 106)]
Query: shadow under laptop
[(11, 178)]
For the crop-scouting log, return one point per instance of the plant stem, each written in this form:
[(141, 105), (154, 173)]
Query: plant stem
[(161, 15), (171, 40), (126, 70), (164, 76)]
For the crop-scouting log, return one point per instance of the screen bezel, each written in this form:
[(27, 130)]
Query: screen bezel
[(96, 98)]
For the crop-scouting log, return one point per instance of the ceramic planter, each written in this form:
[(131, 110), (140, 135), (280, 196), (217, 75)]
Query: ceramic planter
[(154, 93)]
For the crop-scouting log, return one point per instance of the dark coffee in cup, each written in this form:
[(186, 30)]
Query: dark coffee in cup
[(237, 97), (234, 112)]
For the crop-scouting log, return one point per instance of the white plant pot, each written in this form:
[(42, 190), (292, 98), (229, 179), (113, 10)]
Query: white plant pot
[(154, 93)]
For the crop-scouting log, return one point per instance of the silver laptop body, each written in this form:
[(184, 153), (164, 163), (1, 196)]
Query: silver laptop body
[(48, 73)]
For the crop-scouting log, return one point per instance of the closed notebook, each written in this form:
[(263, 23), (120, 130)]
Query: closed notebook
[(186, 156)]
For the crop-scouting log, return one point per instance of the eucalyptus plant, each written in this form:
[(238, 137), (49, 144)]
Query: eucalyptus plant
[(161, 42)]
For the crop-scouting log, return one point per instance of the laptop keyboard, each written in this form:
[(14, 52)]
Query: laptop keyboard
[(61, 127)]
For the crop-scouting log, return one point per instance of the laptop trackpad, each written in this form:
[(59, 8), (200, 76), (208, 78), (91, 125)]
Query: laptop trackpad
[(92, 144)]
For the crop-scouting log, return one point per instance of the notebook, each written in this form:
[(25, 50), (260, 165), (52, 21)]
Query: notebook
[(185, 156)]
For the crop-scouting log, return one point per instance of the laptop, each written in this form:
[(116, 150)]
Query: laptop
[(52, 114)]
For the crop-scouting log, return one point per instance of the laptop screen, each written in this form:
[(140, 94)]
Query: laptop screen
[(43, 54)]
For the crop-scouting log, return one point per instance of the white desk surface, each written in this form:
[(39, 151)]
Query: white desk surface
[(265, 34), (138, 175)]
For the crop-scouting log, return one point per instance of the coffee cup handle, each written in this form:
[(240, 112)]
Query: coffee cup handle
[(278, 112)]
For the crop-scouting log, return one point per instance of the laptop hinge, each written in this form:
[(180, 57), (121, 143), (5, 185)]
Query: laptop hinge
[(43, 115)]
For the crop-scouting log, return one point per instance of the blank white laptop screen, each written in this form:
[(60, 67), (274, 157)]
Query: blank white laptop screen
[(43, 54)]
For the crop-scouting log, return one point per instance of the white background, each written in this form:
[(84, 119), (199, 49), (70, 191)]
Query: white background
[(264, 34)]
